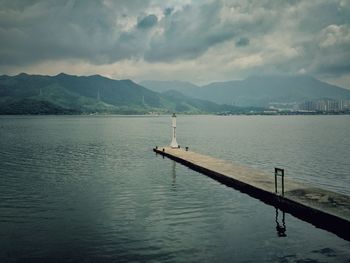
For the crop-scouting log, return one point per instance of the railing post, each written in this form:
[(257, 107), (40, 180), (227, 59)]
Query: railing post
[(282, 182), (275, 181), (279, 172)]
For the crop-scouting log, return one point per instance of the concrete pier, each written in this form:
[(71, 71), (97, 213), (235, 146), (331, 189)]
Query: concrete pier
[(322, 208)]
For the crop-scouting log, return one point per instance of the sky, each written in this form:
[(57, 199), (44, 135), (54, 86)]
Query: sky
[(200, 41)]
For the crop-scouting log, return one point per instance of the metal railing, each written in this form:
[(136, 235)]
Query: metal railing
[(279, 172)]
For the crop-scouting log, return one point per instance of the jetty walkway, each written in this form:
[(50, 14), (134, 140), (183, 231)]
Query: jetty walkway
[(324, 209)]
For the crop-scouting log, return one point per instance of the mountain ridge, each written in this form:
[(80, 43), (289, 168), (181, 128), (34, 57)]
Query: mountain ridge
[(262, 90), (69, 94), (158, 85)]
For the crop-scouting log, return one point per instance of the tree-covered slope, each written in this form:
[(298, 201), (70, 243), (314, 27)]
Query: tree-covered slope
[(36, 94)]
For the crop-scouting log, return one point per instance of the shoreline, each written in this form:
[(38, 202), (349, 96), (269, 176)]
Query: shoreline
[(194, 114)]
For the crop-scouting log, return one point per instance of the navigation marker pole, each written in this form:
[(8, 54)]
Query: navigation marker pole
[(173, 143)]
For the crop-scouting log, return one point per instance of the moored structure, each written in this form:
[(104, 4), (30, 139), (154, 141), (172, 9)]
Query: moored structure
[(173, 143), (323, 208)]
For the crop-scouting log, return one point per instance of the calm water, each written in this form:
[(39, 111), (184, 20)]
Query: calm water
[(89, 189)]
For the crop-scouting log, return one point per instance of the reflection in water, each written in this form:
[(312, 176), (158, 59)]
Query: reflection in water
[(173, 173), (280, 228)]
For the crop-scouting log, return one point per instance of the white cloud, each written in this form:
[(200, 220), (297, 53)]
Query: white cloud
[(335, 35), (247, 61)]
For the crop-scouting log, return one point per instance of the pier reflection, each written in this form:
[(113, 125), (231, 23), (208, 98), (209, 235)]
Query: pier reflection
[(173, 173), (280, 227)]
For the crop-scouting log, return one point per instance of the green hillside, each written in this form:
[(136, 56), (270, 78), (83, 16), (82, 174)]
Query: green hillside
[(66, 94)]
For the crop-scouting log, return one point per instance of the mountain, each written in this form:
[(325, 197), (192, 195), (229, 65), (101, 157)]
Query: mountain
[(162, 86), (182, 103), (67, 94), (261, 90)]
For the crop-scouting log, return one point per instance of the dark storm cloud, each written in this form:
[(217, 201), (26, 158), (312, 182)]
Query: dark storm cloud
[(242, 42), (322, 14), (189, 33), (168, 11), (147, 22), (290, 36), (56, 30), (333, 60)]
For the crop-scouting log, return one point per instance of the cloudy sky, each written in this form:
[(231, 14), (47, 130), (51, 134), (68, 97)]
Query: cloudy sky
[(195, 40)]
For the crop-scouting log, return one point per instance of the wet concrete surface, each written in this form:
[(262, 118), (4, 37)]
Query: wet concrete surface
[(323, 208)]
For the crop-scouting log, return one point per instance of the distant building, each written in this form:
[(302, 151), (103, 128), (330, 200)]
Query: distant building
[(308, 106), (325, 105)]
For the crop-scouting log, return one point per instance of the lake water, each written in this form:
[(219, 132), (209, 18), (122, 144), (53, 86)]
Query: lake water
[(90, 189)]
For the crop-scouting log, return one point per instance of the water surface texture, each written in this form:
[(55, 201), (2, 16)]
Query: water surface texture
[(89, 189)]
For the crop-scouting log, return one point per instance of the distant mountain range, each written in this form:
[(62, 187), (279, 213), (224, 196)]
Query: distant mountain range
[(162, 86), (67, 94), (257, 90)]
